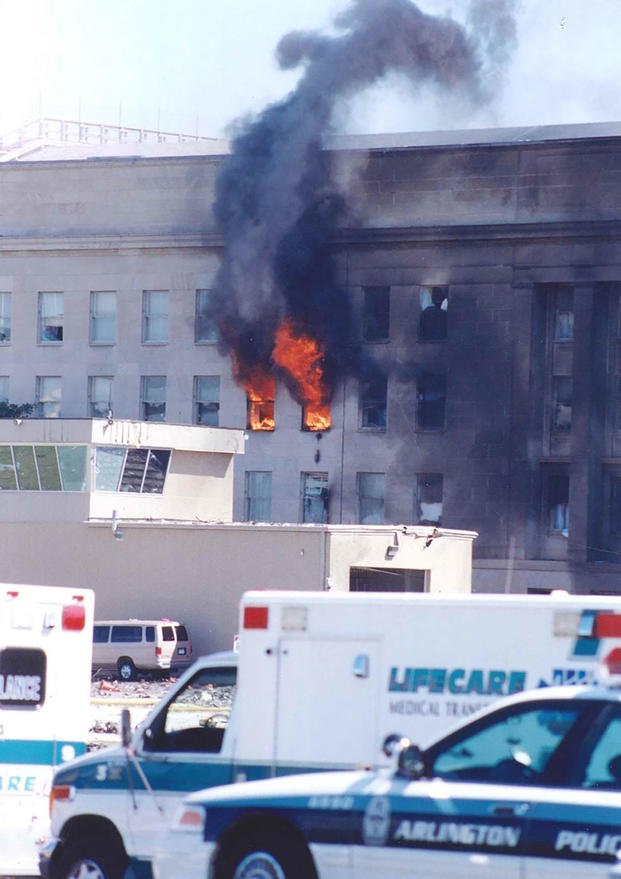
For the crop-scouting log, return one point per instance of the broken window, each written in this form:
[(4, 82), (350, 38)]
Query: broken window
[(260, 414), (562, 392), (207, 400), (429, 498), (43, 468), (557, 500), (315, 497), (205, 326), (99, 395), (258, 496), (376, 314), (153, 397), (433, 313), (51, 318), (373, 393), (132, 470), (371, 498), (48, 395), (431, 401)]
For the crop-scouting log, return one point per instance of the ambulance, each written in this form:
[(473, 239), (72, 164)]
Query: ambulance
[(322, 681), (45, 664)]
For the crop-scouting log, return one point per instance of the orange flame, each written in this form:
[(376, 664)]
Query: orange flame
[(260, 387), (302, 357)]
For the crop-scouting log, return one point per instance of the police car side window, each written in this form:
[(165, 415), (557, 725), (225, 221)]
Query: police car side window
[(514, 749), (603, 769), (196, 719)]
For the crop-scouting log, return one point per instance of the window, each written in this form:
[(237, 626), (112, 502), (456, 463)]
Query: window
[(103, 317), (48, 396), (99, 396), (207, 400), (153, 398), (615, 505), (5, 318), (371, 498), (375, 314), (196, 717), (43, 468), (27, 665), (373, 391), (258, 496), (101, 634), (431, 401), (155, 305), (564, 316), (603, 770), (51, 318), (513, 748), (4, 389), (205, 324), (429, 498), (557, 501), (260, 414), (562, 392), (433, 313), (315, 497), (132, 470)]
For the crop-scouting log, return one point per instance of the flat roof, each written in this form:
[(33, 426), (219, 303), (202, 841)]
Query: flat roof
[(42, 151)]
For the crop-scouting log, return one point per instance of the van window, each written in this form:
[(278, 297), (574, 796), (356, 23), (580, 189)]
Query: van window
[(132, 634), (101, 634), (22, 677), (182, 633), (167, 633), (150, 634), (195, 720)]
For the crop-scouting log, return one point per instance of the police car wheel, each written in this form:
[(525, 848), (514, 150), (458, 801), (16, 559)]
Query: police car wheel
[(126, 669), (266, 855), (90, 858)]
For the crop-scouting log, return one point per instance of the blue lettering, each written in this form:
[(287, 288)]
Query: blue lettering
[(29, 784), (456, 675), (517, 682), (437, 680), (475, 682), (496, 683), (394, 685)]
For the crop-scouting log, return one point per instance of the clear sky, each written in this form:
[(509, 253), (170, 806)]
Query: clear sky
[(196, 65)]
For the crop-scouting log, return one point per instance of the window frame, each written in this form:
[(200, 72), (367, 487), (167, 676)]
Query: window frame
[(376, 514), (6, 317), (40, 402), (212, 336), (145, 381), (95, 317), (57, 315), (92, 380), (250, 498), (213, 402), (369, 401), (151, 317)]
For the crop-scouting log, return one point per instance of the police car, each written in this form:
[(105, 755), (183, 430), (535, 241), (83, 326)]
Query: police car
[(529, 788)]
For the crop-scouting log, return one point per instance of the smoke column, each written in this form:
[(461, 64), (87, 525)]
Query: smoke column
[(275, 204)]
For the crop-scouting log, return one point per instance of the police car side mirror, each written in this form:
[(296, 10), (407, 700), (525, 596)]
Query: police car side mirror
[(126, 728), (411, 763)]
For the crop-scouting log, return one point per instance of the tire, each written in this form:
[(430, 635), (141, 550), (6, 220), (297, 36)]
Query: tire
[(126, 669), (90, 858), (264, 855)]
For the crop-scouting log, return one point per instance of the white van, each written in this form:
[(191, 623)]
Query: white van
[(126, 647), (45, 664), (324, 679)]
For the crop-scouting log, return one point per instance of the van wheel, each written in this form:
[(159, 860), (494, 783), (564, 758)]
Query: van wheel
[(90, 858), (126, 669), (265, 855)]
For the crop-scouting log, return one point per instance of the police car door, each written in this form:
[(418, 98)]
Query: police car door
[(470, 818), (327, 710), (575, 827)]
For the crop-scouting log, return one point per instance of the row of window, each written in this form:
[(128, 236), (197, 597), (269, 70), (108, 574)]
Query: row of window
[(103, 317), (430, 399), (48, 467), (315, 497), (156, 312)]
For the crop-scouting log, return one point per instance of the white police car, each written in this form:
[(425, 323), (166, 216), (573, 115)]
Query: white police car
[(530, 788)]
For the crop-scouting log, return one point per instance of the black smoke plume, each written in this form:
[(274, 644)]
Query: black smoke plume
[(276, 204)]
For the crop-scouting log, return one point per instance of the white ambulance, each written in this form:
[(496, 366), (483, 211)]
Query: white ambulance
[(45, 664), (324, 679)]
